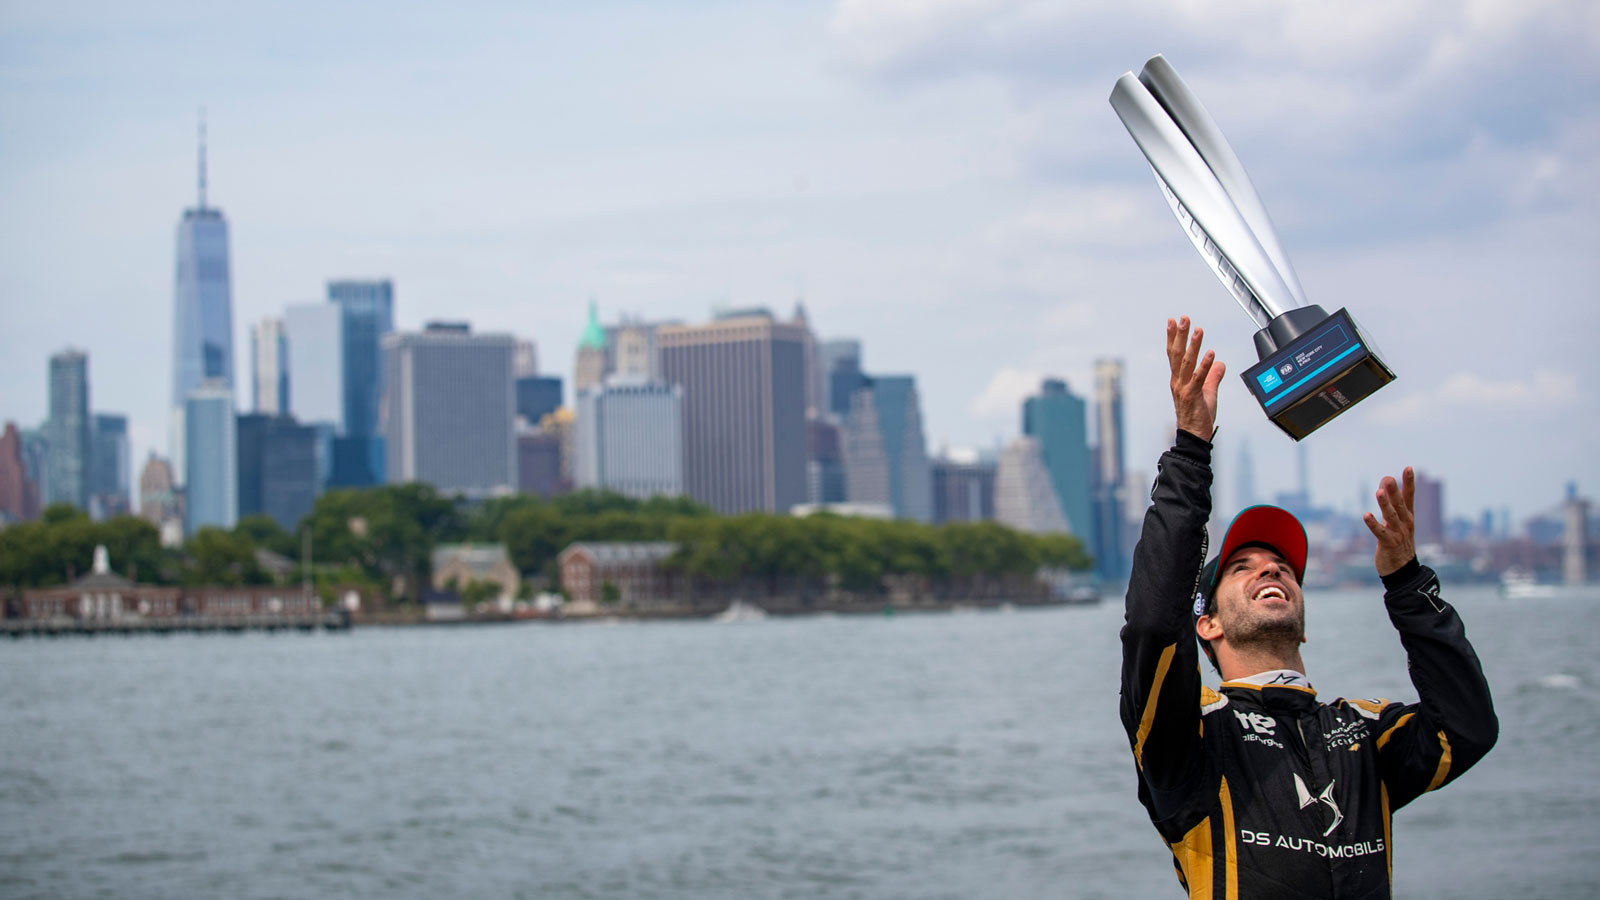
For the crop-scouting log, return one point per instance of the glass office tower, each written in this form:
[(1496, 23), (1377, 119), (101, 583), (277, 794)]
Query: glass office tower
[(202, 309)]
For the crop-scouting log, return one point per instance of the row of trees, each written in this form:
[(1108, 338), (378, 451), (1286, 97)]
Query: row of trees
[(384, 537), (60, 547), (860, 552)]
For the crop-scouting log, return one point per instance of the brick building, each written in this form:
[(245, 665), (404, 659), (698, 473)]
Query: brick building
[(634, 570)]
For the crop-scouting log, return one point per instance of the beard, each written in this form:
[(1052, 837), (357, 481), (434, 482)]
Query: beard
[(1256, 626)]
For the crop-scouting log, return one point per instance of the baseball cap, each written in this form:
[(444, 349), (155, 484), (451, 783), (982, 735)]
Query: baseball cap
[(1262, 526)]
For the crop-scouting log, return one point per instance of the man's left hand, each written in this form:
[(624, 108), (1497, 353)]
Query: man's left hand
[(1397, 544)]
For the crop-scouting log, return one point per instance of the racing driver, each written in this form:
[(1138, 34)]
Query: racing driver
[(1261, 789)]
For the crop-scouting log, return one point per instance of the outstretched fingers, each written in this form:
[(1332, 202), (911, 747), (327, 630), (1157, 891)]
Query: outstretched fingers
[(1177, 338), (1191, 354), (1195, 377), (1215, 369), (1396, 533)]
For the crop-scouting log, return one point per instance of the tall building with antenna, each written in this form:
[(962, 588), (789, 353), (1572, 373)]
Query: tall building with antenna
[(202, 309)]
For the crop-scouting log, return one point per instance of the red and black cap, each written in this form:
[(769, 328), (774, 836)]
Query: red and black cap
[(1258, 526)]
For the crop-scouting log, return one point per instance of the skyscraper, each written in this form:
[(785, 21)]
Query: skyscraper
[(278, 474), (269, 368), (886, 418), (367, 309), (1057, 418), (744, 440), (202, 321), (69, 429), (537, 396), (633, 350), (448, 409), (1111, 493), (590, 365), (19, 495), (211, 488), (1024, 497), (815, 391), (158, 498), (825, 475), (315, 334), (630, 347), (110, 469), (525, 359), (841, 375), (630, 438), (1429, 506), (539, 463), (36, 460), (963, 488)]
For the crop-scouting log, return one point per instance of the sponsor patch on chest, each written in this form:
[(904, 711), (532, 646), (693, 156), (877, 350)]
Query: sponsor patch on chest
[(1346, 733)]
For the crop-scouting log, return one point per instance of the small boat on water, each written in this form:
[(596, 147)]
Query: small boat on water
[(1081, 595), (1521, 584), (740, 611)]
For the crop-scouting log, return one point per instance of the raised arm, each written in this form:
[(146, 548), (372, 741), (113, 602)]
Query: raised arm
[(1160, 661), (1425, 745)]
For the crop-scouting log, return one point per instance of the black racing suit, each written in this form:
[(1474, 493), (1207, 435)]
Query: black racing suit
[(1267, 791)]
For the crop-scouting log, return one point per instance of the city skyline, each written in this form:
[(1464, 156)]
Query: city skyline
[(980, 222)]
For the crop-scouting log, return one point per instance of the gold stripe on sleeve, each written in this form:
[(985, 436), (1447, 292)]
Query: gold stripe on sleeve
[(1148, 718), (1388, 841), (1193, 854), (1384, 738), (1444, 763), (1231, 852)]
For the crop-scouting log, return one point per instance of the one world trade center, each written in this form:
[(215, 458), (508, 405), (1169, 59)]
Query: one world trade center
[(202, 311)]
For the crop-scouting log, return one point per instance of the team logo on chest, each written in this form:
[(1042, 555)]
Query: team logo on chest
[(1326, 798)]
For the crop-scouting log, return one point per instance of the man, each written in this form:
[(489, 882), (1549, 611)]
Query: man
[(1261, 789)]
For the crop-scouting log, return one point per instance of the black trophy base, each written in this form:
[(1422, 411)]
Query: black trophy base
[(1313, 367)]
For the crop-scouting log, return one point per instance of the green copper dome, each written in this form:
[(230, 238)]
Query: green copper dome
[(594, 337)]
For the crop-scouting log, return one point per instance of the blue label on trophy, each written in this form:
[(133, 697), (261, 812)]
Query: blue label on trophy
[(1317, 376)]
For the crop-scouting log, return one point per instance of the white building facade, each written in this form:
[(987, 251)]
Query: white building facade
[(630, 438)]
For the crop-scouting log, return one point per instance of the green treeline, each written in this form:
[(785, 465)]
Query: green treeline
[(383, 538)]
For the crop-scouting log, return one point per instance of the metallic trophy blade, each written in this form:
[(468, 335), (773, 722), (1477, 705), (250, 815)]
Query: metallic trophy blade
[(1197, 125), (1205, 210), (1312, 366)]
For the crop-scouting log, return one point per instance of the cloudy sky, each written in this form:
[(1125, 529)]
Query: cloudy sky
[(943, 180)]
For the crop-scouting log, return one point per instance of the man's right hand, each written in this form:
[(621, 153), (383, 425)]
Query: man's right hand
[(1194, 379)]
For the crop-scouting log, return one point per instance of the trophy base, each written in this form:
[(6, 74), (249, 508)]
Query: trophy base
[(1312, 369)]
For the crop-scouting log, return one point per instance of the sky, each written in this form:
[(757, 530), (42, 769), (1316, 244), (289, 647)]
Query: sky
[(943, 180)]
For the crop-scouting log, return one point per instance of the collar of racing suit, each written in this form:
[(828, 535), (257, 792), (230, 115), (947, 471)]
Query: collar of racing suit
[(1279, 689), (1275, 676)]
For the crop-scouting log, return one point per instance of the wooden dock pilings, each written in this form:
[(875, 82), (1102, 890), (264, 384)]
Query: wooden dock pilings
[(336, 620)]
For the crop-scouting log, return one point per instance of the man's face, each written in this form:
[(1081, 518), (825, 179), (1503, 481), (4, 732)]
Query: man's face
[(1258, 598)]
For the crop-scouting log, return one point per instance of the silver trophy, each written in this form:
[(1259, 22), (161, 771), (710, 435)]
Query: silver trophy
[(1313, 366)]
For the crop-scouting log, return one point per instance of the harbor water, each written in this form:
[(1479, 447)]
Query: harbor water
[(950, 755)]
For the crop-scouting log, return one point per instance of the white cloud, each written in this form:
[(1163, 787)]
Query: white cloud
[(1469, 392), (1409, 114), (1080, 218), (1002, 397)]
